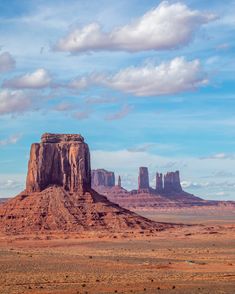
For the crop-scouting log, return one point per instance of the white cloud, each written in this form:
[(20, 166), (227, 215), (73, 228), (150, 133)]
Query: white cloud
[(81, 115), (63, 106), (221, 155), (35, 80), (171, 77), (175, 76), (7, 62), (80, 83), (223, 46), (165, 27), (10, 140), (100, 100), (150, 146), (14, 102), (10, 184), (123, 112), (194, 185)]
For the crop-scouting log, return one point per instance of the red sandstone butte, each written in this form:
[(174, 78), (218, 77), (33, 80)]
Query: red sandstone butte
[(58, 195)]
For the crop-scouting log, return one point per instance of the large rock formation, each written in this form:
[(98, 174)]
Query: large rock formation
[(143, 179), (62, 160), (58, 195), (119, 182), (172, 182), (159, 183), (167, 194), (102, 177)]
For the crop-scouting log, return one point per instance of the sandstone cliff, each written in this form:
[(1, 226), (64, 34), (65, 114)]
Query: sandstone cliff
[(159, 183), (143, 179), (172, 182), (102, 177), (62, 160), (58, 195)]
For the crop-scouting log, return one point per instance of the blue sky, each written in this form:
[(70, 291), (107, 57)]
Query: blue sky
[(145, 82)]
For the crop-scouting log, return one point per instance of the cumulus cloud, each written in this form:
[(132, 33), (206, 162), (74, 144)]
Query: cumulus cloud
[(7, 62), (171, 77), (223, 46), (194, 185), (10, 140), (81, 115), (63, 106), (220, 156), (175, 76), (14, 102), (11, 184), (123, 112), (81, 83), (148, 146), (165, 27), (141, 148), (36, 80), (100, 100)]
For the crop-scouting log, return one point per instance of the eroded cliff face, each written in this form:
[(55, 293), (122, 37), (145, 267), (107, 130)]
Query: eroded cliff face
[(172, 182), (143, 179), (102, 177), (159, 183), (58, 195), (62, 160)]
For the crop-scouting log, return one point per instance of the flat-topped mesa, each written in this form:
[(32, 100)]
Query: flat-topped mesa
[(62, 160), (102, 178), (159, 182), (172, 182), (58, 138), (143, 179)]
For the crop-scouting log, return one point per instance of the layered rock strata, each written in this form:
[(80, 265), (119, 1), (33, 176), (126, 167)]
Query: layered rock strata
[(143, 179), (58, 195), (62, 160), (172, 182), (159, 183), (119, 182), (102, 177)]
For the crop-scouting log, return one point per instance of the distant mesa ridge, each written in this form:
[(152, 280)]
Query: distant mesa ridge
[(167, 192), (102, 177), (165, 184)]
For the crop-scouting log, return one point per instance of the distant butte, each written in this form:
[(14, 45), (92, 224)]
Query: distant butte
[(59, 198), (168, 193)]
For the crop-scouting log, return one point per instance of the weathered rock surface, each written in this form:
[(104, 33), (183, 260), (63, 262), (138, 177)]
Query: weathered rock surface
[(102, 177), (58, 195), (62, 160), (119, 182), (159, 183), (168, 193), (172, 182), (143, 179)]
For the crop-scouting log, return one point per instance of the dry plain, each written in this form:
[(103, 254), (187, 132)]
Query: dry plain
[(192, 259)]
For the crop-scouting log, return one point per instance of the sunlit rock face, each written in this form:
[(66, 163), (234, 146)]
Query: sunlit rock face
[(59, 159)]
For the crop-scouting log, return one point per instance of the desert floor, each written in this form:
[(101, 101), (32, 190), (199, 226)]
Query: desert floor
[(193, 259)]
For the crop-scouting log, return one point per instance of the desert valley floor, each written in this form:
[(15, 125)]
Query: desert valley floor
[(193, 259)]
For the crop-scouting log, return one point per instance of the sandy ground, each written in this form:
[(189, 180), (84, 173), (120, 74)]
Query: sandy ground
[(193, 259)]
